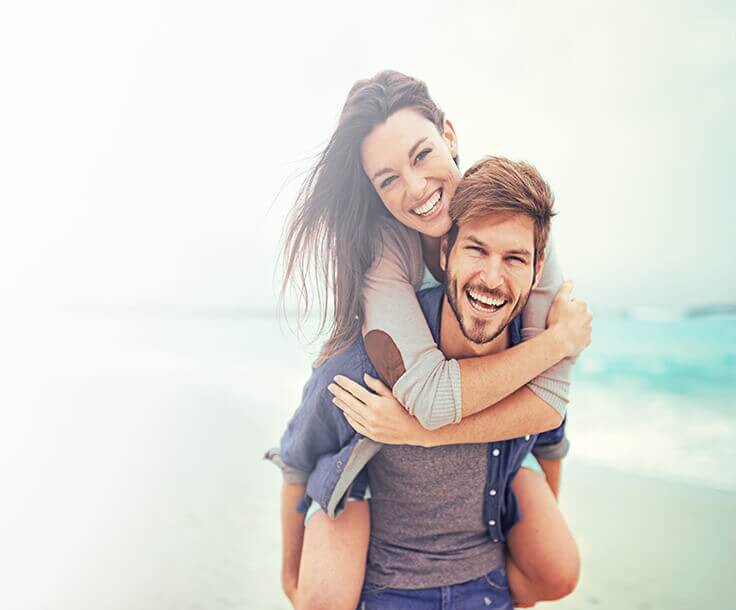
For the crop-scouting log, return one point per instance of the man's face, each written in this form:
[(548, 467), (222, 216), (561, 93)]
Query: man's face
[(490, 273)]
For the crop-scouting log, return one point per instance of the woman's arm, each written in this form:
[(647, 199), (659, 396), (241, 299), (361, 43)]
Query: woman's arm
[(292, 537), (381, 418), (553, 385), (435, 390)]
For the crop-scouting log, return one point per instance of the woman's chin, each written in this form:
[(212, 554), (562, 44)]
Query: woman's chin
[(436, 228)]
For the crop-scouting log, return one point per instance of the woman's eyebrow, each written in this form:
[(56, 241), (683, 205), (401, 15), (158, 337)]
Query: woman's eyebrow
[(388, 170), (414, 148)]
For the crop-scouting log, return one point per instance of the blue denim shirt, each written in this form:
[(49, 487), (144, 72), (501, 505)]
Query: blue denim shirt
[(319, 441)]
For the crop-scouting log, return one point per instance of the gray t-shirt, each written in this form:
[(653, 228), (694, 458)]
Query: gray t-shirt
[(427, 525)]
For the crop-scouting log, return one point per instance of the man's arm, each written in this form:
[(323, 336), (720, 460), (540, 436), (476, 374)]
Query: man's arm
[(292, 537)]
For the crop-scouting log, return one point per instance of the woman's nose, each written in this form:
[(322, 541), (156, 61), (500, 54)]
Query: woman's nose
[(415, 185)]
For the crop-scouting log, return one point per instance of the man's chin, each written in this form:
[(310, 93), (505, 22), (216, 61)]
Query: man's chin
[(481, 330)]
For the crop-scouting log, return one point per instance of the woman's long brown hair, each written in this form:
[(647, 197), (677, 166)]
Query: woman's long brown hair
[(330, 240)]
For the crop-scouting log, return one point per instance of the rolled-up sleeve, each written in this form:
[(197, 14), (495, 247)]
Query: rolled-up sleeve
[(553, 444)]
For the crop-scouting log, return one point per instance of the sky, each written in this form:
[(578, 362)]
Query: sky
[(150, 151)]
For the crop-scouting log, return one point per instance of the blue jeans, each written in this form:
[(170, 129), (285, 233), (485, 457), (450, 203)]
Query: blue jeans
[(489, 592)]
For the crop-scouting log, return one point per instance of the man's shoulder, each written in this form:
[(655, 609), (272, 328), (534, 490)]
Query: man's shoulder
[(349, 362), (430, 300)]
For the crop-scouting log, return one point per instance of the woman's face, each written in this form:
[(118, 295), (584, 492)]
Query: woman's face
[(409, 162)]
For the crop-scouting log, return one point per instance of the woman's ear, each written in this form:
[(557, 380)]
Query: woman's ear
[(448, 133)]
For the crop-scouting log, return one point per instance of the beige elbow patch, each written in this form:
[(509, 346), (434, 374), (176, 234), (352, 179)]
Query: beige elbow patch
[(385, 356)]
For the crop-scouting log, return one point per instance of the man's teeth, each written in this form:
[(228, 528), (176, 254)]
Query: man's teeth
[(487, 300), (429, 206)]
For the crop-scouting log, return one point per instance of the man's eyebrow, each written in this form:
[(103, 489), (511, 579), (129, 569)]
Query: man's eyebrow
[(518, 251), (388, 170), (475, 240)]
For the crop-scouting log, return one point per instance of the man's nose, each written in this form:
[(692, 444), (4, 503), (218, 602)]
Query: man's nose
[(492, 274)]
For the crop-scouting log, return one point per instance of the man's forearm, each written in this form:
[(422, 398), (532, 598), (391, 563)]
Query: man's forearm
[(523, 412), (292, 536), (552, 471)]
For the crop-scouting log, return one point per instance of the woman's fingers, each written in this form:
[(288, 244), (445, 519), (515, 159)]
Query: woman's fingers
[(349, 411), (345, 396), (354, 388), (377, 385), (357, 426)]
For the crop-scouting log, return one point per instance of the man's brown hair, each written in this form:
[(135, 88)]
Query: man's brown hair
[(495, 184)]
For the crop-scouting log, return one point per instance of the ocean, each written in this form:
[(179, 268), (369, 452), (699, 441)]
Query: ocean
[(131, 444)]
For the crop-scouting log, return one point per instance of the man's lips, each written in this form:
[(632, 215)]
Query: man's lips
[(485, 302)]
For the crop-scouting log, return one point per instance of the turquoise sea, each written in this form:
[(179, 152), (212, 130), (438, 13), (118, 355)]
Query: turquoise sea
[(131, 444)]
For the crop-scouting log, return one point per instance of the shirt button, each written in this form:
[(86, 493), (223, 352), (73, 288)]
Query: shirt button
[(527, 437), (492, 492), (495, 540), (491, 522), (496, 452), (339, 465)]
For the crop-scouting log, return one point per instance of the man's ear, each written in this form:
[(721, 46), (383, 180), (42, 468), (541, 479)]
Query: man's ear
[(448, 133), (538, 270), (443, 253)]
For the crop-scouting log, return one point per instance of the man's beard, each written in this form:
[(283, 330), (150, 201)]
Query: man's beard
[(482, 331)]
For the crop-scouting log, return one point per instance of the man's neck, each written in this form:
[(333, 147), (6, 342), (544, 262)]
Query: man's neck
[(454, 344)]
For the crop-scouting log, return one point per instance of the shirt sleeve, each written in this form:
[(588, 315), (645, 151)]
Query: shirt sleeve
[(552, 386), (397, 337), (553, 444), (316, 428)]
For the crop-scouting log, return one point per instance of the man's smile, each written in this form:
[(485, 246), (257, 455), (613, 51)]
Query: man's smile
[(483, 302)]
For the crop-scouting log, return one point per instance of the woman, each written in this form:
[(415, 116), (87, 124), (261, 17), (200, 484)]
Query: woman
[(394, 154)]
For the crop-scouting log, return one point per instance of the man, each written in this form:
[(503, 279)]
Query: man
[(440, 515)]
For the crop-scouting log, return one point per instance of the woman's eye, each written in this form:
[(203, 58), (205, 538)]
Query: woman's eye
[(422, 154), (388, 181)]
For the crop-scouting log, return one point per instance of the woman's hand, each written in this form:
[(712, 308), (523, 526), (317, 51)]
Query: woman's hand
[(379, 416), (572, 320)]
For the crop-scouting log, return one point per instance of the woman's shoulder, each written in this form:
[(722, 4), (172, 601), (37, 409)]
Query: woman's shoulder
[(397, 249)]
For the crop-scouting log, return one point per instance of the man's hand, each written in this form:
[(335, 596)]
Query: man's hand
[(571, 320), (379, 416)]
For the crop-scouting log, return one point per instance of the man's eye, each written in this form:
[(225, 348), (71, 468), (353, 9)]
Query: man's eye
[(388, 181), (516, 259), (422, 154), (474, 249)]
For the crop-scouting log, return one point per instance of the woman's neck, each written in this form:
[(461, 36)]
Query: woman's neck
[(431, 254)]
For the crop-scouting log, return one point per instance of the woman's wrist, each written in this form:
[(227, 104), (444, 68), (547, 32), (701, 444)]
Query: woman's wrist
[(558, 341)]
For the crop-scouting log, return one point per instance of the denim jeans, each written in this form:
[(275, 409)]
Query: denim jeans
[(489, 592)]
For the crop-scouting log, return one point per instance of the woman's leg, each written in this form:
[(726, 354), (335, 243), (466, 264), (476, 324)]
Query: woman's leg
[(333, 559), (543, 562)]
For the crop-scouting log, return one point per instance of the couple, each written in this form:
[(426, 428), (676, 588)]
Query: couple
[(383, 214)]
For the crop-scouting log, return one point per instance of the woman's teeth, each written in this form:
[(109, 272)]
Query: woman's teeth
[(428, 207)]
